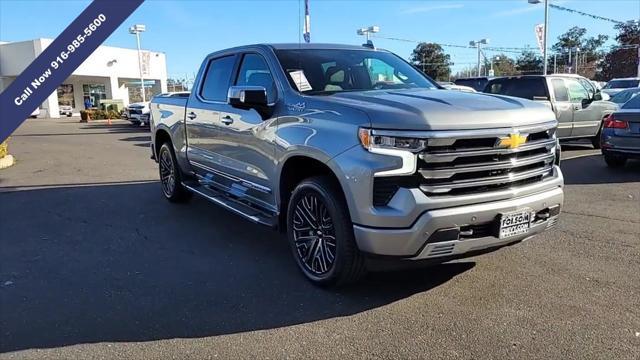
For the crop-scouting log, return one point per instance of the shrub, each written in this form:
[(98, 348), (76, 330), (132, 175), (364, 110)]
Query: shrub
[(87, 115), (4, 149)]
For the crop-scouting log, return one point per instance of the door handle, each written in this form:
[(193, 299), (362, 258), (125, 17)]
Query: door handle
[(191, 115), (227, 120)]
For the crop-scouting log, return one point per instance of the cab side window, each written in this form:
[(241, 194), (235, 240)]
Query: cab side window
[(217, 77), (577, 92), (560, 90), (255, 72)]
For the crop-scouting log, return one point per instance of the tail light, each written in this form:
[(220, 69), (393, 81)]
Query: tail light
[(611, 122)]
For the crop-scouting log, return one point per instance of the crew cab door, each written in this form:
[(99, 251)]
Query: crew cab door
[(246, 151), (562, 107), (208, 100), (586, 119)]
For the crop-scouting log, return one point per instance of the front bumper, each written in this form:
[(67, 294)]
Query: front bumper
[(417, 243)]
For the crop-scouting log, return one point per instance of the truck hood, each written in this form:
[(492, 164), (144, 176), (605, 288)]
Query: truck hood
[(423, 109)]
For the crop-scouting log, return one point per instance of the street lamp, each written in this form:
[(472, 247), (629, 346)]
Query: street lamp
[(544, 36), (136, 30), (477, 44), (495, 58), (368, 30)]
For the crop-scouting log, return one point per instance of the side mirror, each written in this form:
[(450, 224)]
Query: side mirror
[(586, 103), (247, 97)]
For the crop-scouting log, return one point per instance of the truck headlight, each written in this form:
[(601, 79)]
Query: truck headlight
[(398, 146), (370, 140)]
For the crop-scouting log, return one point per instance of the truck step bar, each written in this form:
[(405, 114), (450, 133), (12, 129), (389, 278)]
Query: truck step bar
[(233, 205)]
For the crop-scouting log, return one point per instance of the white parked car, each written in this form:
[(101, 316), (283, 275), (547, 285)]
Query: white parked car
[(135, 112), (614, 86), (452, 86), (65, 110)]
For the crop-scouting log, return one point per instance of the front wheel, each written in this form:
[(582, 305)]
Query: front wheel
[(170, 175), (320, 233)]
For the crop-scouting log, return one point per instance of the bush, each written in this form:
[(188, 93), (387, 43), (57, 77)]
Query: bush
[(87, 115), (4, 149)]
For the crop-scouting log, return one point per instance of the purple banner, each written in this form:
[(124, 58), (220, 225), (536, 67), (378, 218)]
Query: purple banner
[(56, 63)]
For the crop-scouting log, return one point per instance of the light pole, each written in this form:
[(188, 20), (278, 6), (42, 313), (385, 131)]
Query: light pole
[(544, 36), (136, 30), (477, 44), (368, 30), (496, 58)]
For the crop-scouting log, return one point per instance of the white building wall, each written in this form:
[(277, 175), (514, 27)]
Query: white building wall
[(107, 65)]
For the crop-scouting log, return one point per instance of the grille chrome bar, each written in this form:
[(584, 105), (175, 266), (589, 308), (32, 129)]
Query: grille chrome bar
[(508, 164), (484, 181), (468, 134), (452, 155)]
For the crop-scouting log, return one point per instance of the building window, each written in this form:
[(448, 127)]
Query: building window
[(95, 93), (65, 95)]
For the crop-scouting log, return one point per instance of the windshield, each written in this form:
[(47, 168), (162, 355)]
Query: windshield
[(329, 71), (633, 103), (622, 84)]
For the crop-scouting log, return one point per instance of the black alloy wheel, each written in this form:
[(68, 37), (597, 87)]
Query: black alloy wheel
[(320, 233), (170, 176), (314, 235)]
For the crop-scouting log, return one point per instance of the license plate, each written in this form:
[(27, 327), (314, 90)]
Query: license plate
[(515, 223)]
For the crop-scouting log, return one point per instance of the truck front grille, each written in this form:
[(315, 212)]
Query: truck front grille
[(467, 162)]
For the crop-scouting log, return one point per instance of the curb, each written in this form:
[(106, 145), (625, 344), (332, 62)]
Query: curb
[(7, 161)]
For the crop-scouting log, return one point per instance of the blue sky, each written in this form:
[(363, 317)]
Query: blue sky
[(188, 30)]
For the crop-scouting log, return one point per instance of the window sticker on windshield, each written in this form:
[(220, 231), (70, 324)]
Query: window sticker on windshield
[(300, 80)]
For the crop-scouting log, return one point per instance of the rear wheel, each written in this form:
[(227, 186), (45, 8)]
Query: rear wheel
[(170, 175), (320, 233), (615, 161)]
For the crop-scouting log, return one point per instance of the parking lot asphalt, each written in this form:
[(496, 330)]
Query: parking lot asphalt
[(95, 264)]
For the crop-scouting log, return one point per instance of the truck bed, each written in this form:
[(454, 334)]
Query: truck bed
[(168, 110)]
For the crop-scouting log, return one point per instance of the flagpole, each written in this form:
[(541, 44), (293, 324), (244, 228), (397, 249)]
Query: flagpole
[(307, 23)]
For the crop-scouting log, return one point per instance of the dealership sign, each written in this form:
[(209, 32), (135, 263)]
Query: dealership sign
[(65, 54)]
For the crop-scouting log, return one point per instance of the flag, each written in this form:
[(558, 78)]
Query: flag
[(307, 24), (540, 36)]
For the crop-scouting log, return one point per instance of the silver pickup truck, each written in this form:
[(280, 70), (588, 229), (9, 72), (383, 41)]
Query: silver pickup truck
[(580, 108), (356, 156)]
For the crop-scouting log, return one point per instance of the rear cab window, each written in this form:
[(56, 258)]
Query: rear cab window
[(560, 90), (215, 84)]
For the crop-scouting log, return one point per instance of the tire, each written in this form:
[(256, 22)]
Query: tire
[(596, 141), (615, 161), (170, 175), (318, 224)]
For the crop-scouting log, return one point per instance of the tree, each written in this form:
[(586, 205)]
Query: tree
[(432, 59), (177, 84), (622, 61), (584, 50), (502, 65), (529, 63)]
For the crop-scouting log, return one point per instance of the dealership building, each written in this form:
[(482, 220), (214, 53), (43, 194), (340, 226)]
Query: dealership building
[(110, 73)]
